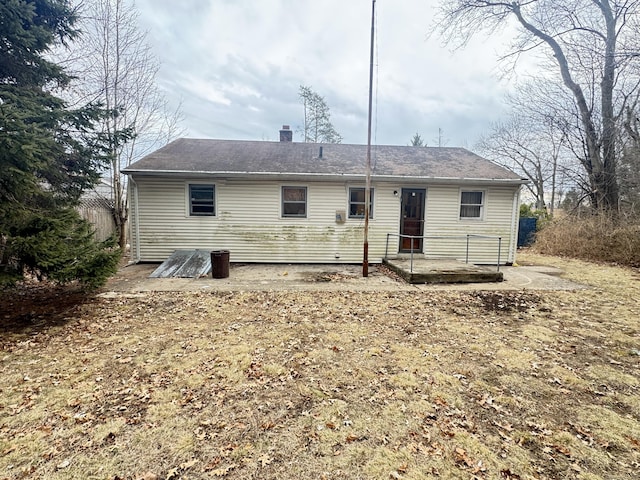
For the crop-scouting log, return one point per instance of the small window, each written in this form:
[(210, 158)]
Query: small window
[(356, 203), (202, 200), (471, 204), (294, 202)]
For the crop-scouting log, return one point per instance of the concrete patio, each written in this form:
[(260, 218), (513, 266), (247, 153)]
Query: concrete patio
[(421, 270)]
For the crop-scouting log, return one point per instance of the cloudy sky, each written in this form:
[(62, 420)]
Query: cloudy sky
[(236, 66)]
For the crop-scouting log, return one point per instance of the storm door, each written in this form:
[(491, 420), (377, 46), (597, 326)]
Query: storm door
[(412, 221)]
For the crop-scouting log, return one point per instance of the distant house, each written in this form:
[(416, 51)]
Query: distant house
[(286, 202)]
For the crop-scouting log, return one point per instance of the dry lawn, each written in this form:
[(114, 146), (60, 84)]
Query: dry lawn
[(326, 385)]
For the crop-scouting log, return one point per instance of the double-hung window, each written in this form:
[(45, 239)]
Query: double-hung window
[(202, 199), (471, 204), (294, 202), (357, 203)]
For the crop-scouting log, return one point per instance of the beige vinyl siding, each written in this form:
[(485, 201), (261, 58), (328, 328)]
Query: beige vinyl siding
[(443, 219), (249, 224), (134, 220)]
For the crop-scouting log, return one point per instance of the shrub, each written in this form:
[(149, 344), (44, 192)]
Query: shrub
[(596, 237), (59, 247), (527, 211)]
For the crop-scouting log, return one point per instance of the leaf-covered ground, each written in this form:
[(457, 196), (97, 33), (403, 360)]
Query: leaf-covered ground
[(325, 385)]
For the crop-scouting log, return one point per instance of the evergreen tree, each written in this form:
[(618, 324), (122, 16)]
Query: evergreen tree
[(417, 141), (48, 154)]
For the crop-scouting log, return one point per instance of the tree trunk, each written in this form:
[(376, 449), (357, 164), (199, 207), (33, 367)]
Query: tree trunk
[(600, 164), (606, 181)]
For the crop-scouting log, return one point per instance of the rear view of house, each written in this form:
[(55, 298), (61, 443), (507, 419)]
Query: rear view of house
[(287, 202)]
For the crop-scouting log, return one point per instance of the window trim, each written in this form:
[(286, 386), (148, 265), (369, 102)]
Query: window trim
[(482, 205), (190, 203), (306, 201), (371, 203)]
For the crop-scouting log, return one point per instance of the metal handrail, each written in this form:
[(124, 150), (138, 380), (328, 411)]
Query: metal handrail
[(443, 237)]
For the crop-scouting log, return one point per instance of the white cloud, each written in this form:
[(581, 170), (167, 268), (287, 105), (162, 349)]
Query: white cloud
[(237, 65)]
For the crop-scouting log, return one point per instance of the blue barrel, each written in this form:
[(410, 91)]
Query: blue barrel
[(527, 231)]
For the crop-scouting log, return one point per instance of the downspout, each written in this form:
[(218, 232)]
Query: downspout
[(513, 244), (134, 226)]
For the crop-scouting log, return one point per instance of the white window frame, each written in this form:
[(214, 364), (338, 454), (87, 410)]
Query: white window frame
[(481, 205), (189, 205), (371, 203), (306, 201)]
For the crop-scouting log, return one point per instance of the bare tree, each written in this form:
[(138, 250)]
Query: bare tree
[(116, 68), (590, 44), (516, 145), (630, 161), (534, 141), (317, 127), (440, 140)]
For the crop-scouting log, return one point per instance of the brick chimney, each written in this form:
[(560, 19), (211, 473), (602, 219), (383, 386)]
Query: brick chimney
[(286, 134)]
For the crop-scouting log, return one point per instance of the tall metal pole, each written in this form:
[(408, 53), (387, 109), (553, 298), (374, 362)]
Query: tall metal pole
[(367, 190)]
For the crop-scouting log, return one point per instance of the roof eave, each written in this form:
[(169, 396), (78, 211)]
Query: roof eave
[(324, 176)]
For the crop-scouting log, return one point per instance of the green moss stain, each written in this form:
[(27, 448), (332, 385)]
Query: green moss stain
[(292, 236)]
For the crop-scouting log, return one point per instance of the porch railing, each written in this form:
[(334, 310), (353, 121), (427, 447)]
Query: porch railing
[(468, 238)]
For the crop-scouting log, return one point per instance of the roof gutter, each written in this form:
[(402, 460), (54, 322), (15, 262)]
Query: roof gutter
[(325, 176)]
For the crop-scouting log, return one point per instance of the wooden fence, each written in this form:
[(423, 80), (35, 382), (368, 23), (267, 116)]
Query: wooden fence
[(97, 211)]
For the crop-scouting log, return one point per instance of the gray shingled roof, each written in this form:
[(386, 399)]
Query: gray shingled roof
[(231, 157)]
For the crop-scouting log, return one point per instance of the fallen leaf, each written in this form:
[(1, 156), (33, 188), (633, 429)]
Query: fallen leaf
[(7, 451), (221, 472), (479, 468), (505, 426), (212, 465), (509, 475), (188, 465), (562, 449), (148, 476), (460, 456), (634, 441), (440, 401), (485, 400), (172, 474), (351, 438)]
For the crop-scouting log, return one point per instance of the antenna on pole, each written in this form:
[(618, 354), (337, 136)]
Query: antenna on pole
[(367, 190)]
